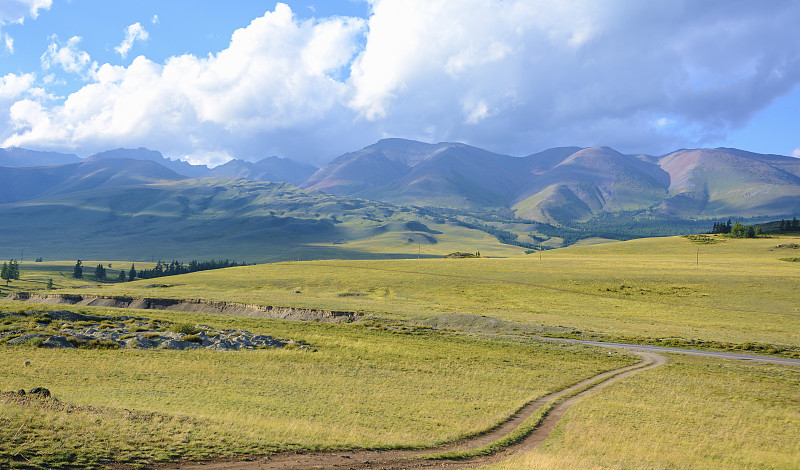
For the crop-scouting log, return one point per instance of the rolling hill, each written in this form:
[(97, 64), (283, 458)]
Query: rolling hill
[(569, 184), (267, 169), (225, 218)]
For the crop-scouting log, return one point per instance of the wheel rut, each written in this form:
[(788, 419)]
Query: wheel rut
[(419, 458)]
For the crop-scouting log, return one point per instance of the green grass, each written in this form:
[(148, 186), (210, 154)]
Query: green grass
[(360, 388), (691, 414), (648, 290)]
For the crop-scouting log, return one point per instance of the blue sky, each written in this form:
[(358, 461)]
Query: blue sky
[(207, 81)]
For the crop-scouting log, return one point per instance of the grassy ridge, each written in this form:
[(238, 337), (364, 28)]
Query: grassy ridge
[(694, 413), (647, 290), (361, 388)]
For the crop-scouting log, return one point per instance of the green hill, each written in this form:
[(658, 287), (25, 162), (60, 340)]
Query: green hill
[(226, 218)]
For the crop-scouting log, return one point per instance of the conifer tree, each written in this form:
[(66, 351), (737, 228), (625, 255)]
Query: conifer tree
[(77, 271), (132, 272), (100, 272)]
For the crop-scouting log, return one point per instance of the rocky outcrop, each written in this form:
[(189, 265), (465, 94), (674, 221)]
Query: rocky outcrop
[(52, 330), (191, 305)]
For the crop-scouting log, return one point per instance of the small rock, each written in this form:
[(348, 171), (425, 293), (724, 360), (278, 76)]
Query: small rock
[(57, 342), (24, 339), (177, 344), (42, 392)]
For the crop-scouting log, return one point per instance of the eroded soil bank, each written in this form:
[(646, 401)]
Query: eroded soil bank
[(190, 305)]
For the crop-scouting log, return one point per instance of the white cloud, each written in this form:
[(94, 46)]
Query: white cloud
[(13, 86), (8, 42), (15, 11), (154, 19), (133, 33), (69, 57), (796, 152), (276, 76), (513, 76)]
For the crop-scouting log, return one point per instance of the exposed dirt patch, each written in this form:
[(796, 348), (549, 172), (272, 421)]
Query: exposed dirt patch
[(191, 305)]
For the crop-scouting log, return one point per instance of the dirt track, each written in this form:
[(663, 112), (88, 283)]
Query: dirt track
[(410, 459)]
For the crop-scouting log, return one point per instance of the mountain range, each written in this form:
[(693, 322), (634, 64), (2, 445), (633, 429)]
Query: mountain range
[(567, 184), (135, 199)]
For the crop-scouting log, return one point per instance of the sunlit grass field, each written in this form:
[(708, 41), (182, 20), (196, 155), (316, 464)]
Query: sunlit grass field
[(367, 387), (691, 414), (734, 291), (359, 387)]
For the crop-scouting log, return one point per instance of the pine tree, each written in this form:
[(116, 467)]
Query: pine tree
[(100, 272), (5, 273), (132, 272), (14, 267), (9, 271), (77, 271), (50, 284), (121, 277)]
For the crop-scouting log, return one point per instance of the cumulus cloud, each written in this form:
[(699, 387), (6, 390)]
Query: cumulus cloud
[(69, 57), (796, 152), (15, 11), (521, 75), (276, 78), (513, 76), (133, 33)]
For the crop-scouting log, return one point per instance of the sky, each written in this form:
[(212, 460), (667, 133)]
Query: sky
[(206, 81)]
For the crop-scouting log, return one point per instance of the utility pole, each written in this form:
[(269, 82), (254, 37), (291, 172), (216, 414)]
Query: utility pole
[(419, 250), (698, 257), (540, 251)]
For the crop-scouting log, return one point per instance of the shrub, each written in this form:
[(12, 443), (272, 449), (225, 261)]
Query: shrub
[(192, 339), (184, 328)]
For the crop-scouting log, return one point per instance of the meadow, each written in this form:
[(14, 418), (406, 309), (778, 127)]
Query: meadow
[(693, 413), (734, 292), (384, 383), (358, 387)]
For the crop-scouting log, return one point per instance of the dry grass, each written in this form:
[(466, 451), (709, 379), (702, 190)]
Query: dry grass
[(692, 414), (361, 388)]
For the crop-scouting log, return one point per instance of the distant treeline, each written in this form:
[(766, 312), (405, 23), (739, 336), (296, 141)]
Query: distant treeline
[(175, 267)]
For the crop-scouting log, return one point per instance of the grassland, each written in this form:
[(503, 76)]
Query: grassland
[(664, 291), (691, 414), (369, 387), (361, 387)]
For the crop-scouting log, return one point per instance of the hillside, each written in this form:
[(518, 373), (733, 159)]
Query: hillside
[(568, 184), (225, 218), (26, 183), (15, 156), (274, 169)]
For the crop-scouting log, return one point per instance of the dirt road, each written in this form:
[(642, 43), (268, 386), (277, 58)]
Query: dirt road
[(412, 459)]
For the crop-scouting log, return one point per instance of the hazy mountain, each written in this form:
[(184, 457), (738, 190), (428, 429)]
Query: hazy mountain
[(569, 183), (730, 181), (267, 169), (15, 156), (408, 172), (178, 166), (25, 183), (219, 217)]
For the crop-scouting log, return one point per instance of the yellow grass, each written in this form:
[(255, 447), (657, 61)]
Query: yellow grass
[(650, 288), (360, 388), (692, 414)]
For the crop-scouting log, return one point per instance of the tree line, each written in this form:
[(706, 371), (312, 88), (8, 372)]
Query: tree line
[(10, 271), (161, 269), (736, 230)]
